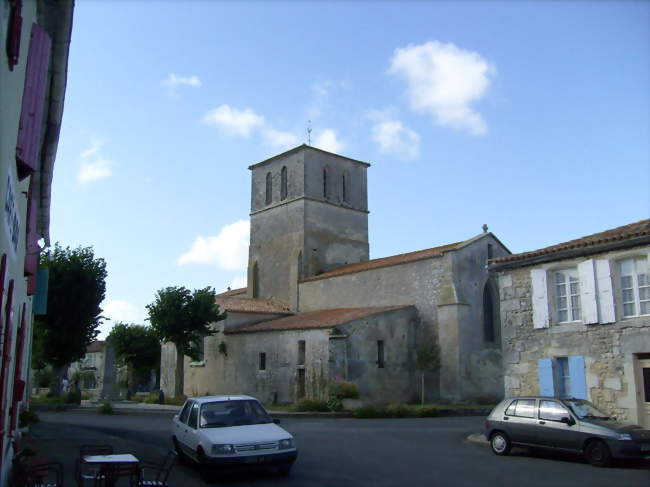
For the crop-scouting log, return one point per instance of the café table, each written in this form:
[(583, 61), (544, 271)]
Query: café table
[(114, 463)]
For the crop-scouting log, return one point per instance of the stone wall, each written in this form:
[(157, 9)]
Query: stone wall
[(610, 351)]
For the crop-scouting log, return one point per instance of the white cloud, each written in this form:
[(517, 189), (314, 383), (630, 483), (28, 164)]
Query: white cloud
[(94, 171), (172, 82), (278, 139), (393, 137), (228, 250), (120, 310), (95, 145), (328, 140), (233, 121), (444, 80)]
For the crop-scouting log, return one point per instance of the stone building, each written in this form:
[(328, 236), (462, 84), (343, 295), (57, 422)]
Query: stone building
[(98, 371), (316, 308), (576, 320), (35, 37)]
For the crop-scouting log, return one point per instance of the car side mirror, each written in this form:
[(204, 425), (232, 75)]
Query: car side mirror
[(567, 420), (276, 421), (175, 417)]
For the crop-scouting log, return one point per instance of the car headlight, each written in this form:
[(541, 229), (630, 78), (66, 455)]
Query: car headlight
[(623, 436), (285, 444), (223, 450)]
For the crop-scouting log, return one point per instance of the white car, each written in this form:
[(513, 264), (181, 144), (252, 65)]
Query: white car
[(226, 433)]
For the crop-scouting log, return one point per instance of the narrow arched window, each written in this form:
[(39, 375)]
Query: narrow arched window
[(325, 183), (256, 281), (300, 271), (344, 183), (283, 183), (269, 188), (488, 315)]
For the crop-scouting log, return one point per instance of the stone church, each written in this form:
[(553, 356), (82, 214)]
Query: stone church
[(317, 309)]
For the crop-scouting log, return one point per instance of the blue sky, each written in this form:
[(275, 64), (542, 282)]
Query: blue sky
[(532, 117)]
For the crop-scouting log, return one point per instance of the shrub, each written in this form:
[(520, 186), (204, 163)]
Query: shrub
[(342, 389), (334, 404), (175, 400), (45, 377), (54, 400), (426, 412), (398, 411), (367, 412), (106, 408), (305, 405)]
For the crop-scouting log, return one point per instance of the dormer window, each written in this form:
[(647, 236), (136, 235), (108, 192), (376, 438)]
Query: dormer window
[(269, 188), (283, 183)]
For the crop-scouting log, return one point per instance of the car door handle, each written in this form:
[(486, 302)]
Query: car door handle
[(542, 422), (506, 418)]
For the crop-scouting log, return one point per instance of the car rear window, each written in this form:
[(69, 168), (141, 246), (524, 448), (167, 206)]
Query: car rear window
[(522, 407)]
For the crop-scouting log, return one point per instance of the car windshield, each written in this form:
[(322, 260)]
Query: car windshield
[(222, 414), (584, 409)]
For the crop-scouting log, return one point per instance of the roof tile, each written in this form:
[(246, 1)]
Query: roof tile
[(327, 318), (246, 305)]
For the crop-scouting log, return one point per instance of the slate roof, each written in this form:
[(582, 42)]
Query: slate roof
[(590, 242), (305, 146), (245, 305), (97, 346), (327, 318), (385, 262)]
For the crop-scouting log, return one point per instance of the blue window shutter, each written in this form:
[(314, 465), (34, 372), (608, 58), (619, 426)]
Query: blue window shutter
[(577, 376), (545, 373), (39, 306)]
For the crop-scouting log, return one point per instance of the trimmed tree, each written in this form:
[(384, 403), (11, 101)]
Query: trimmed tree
[(183, 317), (77, 286), (428, 360), (137, 347)]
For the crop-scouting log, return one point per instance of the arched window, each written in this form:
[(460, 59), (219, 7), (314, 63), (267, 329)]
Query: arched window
[(269, 188), (325, 183), (344, 183), (256, 280), (488, 314), (300, 271), (283, 183)]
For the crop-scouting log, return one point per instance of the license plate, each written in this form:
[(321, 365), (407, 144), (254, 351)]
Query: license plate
[(254, 460)]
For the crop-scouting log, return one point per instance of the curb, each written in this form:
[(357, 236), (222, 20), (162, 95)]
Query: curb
[(478, 438)]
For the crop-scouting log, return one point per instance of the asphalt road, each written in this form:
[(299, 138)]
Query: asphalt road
[(348, 452)]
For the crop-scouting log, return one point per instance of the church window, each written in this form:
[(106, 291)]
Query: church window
[(380, 354), (301, 352), (490, 252), (255, 285), (262, 361), (488, 315), (283, 183), (300, 269), (325, 183), (269, 188), (344, 182)]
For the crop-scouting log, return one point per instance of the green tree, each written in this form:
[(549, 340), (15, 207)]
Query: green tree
[(183, 317), (137, 347), (427, 360), (77, 286)]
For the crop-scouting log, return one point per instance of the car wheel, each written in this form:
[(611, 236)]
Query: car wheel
[(181, 456), (204, 468), (500, 443), (597, 453)]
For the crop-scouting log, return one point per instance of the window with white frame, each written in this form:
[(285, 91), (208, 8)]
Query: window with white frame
[(567, 295), (635, 286)]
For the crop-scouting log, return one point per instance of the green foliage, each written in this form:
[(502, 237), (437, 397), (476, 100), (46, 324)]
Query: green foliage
[(137, 347), (428, 357), (27, 417), (49, 400), (426, 412), (342, 389), (152, 397), (44, 377), (311, 405), (106, 408), (176, 400), (183, 317), (77, 286), (334, 404)]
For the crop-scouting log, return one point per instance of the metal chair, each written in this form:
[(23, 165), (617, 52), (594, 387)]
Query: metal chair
[(85, 472), (161, 470), (43, 475), (109, 474)]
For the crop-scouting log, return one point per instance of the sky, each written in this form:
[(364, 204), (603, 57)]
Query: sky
[(530, 117)]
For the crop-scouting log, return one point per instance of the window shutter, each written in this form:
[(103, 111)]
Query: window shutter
[(15, 30), (540, 298), (31, 116), (588, 303), (545, 375), (606, 309), (577, 376)]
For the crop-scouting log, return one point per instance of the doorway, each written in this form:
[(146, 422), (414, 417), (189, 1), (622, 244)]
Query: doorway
[(644, 388)]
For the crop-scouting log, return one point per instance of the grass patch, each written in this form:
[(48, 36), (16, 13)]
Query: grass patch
[(106, 408), (175, 400), (395, 411), (53, 400), (311, 405)]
